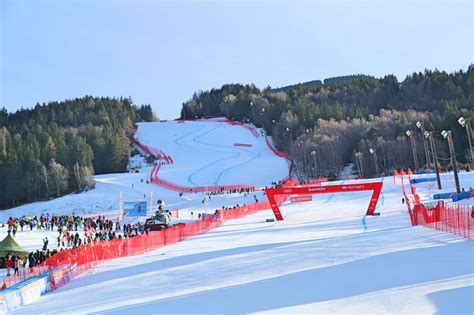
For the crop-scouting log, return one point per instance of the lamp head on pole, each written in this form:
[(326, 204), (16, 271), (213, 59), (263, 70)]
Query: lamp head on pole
[(287, 129), (418, 124), (371, 151), (408, 133), (462, 121), (358, 154), (445, 134), (313, 152), (427, 134)]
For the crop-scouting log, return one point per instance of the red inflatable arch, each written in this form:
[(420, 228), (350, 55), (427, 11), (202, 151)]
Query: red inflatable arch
[(376, 187)]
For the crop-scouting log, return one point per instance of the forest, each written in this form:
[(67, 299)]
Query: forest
[(55, 148), (323, 125)]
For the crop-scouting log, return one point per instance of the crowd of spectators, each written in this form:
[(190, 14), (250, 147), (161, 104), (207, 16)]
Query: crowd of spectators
[(69, 228)]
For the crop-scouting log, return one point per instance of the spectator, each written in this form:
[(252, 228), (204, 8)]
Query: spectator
[(9, 264)]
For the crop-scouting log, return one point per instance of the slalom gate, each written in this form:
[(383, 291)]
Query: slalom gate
[(457, 219), (64, 266)]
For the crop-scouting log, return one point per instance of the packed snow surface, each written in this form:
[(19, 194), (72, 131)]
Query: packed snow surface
[(325, 257), (204, 153)]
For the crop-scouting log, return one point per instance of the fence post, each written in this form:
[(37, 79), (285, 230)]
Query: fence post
[(468, 213)]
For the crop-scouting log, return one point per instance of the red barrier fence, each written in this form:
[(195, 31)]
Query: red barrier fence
[(457, 219), (453, 218), (160, 155), (172, 186), (68, 263)]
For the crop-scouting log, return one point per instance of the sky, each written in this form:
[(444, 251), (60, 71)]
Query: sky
[(161, 52)]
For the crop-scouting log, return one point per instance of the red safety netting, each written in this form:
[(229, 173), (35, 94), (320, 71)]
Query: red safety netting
[(454, 218), (172, 186), (160, 155), (68, 263), (457, 219)]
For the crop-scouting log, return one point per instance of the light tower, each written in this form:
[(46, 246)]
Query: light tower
[(429, 136), (413, 148), (467, 124), (447, 135), (425, 143), (372, 151), (358, 156), (313, 154)]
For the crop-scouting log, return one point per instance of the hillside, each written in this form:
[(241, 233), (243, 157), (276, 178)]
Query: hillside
[(203, 153), (316, 84), (56, 148), (321, 126)]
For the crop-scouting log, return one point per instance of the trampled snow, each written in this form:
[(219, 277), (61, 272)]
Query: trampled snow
[(325, 257)]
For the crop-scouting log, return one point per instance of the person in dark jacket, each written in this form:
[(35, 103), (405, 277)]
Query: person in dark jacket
[(31, 261), (45, 243)]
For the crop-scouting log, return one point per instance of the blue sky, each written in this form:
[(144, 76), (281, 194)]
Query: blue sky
[(160, 52)]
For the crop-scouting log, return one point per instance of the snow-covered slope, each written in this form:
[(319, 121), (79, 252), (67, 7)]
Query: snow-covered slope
[(324, 257), (204, 153)]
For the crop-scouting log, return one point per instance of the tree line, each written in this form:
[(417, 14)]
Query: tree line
[(56, 148), (322, 125)]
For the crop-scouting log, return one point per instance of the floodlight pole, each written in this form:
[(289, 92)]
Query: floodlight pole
[(448, 136), (425, 144), (374, 153), (429, 136), (413, 148), (467, 124)]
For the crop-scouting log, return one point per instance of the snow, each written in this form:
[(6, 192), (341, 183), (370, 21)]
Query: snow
[(204, 154), (319, 259), (426, 190), (325, 257)]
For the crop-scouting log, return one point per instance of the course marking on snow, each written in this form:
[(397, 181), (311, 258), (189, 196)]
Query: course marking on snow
[(255, 156)]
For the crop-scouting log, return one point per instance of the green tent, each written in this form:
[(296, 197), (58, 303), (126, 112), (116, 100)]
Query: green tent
[(9, 245)]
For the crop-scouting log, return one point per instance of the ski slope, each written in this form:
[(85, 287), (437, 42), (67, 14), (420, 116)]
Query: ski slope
[(325, 257), (204, 153)]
